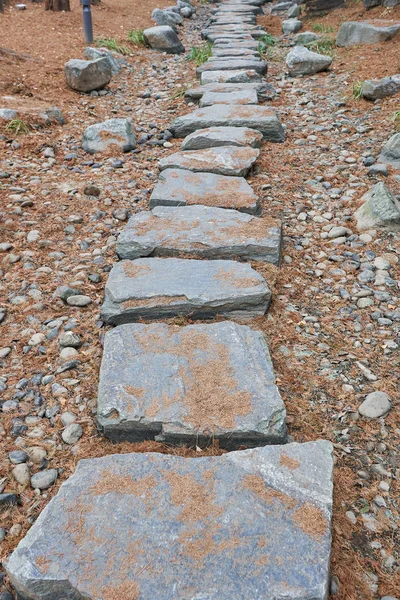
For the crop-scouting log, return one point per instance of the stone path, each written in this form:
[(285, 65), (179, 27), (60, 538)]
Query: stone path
[(157, 526)]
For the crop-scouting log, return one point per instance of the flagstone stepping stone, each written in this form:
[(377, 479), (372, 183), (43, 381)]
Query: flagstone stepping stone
[(237, 9), (249, 42), (245, 525), (189, 385), (366, 32), (232, 31), (222, 136), (265, 91), (200, 232), (243, 97), (179, 187), (227, 19), (234, 52), (241, 76), (226, 160), (390, 154), (157, 288), (252, 64), (220, 115)]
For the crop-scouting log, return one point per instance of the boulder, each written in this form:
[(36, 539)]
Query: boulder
[(353, 33), (88, 75), (113, 132), (390, 154), (186, 11), (95, 53), (372, 89), (281, 7), (293, 12), (189, 385), (305, 37), (291, 26), (8, 114), (249, 524), (163, 39), (213, 137), (166, 17), (379, 209), (301, 61)]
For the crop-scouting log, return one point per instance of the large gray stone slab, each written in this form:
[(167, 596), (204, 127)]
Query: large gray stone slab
[(234, 52), (226, 19), (220, 115), (265, 91), (244, 64), (189, 385), (380, 209), (301, 61), (200, 232), (237, 9), (237, 31), (366, 32), (227, 160), (243, 526), (241, 76), (178, 187), (156, 288), (390, 154), (222, 136), (243, 97), (248, 43)]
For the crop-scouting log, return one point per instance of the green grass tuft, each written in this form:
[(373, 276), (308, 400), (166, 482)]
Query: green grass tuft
[(267, 40), (396, 116), (112, 44), (356, 90), (136, 36), (324, 46), (16, 126), (321, 28), (178, 93), (201, 54)]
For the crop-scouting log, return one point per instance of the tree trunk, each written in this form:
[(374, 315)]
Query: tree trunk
[(57, 5)]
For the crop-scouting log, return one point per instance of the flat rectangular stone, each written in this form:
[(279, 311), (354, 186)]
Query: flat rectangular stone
[(236, 9), (220, 115), (243, 97), (248, 525), (227, 19), (265, 91), (213, 137), (189, 385), (234, 52), (156, 288), (236, 43), (226, 160), (178, 187), (200, 232), (241, 76), (245, 64)]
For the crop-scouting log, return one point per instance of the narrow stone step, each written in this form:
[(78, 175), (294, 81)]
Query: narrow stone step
[(213, 137), (265, 91), (178, 187), (237, 9), (256, 117), (233, 65), (234, 52), (243, 526), (226, 160), (200, 232), (189, 385), (157, 288), (249, 42), (243, 98), (240, 76), (226, 19)]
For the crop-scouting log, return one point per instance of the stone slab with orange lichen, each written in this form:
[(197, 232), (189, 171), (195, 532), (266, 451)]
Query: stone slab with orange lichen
[(189, 385), (200, 232), (214, 137), (180, 187), (242, 526), (226, 160), (154, 288)]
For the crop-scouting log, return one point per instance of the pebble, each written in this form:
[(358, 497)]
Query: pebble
[(44, 479), (72, 434), (21, 474), (69, 339), (375, 405), (37, 454), (5, 352), (79, 300), (18, 456)]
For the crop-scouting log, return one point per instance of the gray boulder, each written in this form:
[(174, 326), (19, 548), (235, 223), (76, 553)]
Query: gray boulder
[(379, 209), (88, 75), (353, 33), (166, 17), (305, 37), (294, 11), (7, 114), (95, 53), (390, 154), (186, 11), (163, 39), (281, 7), (371, 3), (301, 61), (372, 89), (113, 132), (291, 26)]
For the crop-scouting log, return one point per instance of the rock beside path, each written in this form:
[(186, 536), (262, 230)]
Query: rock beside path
[(353, 33), (179, 187), (189, 385), (198, 519), (95, 53), (301, 61), (163, 39), (157, 288), (390, 154), (113, 132), (373, 89), (200, 232), (291, 26), (88, 75), (379, 209)]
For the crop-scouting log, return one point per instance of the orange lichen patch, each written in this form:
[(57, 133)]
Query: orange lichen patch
[(199, 548), (131, 269), (236, 280), (197, 499), (111, 482), (153, 301), (137, 392), (311, 520), (288, 462), (128, 590), (257, 485), (42, 563)]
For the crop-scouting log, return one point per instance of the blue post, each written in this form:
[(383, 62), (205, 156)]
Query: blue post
[(87, 21)]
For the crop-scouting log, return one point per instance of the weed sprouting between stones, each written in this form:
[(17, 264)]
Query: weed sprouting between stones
[(178, 93), (136, 36), (356, 90), (324, 46), (16, 126), (200, 55), (321, 28), (112, 44)]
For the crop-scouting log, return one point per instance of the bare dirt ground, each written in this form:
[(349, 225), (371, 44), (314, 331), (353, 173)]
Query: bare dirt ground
[(316, 345)]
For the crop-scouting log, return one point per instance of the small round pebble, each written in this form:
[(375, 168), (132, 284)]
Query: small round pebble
[(72, 433), (79, 300), (375, 405), (18, 456), (44, 479), (21, 474)]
